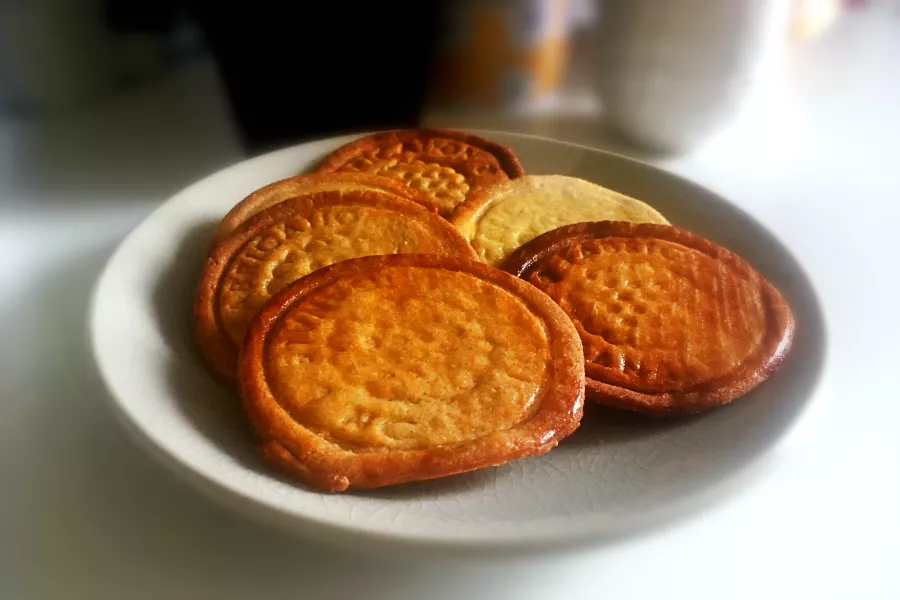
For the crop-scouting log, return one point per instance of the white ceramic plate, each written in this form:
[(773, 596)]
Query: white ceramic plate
[(618, 474)]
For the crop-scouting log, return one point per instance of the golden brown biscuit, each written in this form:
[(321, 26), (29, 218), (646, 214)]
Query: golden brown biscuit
[(671, 323), (292, 187), (295, 237), (386, 369), (503, 216), (447, 165)]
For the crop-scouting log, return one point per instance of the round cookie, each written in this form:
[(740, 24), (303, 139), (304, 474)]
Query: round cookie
[(671, 323), (387, 369)]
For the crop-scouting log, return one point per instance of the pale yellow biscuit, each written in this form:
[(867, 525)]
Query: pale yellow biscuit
[(506, 215)]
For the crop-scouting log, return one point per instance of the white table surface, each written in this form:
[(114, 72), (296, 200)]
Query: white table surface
[(85, 514)]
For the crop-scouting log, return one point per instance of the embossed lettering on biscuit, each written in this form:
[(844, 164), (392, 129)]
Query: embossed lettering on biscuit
[(388, 369), (296, 237), (304, 185)]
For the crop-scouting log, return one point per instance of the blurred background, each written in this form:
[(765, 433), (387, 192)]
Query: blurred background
[(114, 99), (106, 98), (279, 73)]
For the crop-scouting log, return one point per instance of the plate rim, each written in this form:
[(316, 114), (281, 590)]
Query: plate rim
[(491, 542)]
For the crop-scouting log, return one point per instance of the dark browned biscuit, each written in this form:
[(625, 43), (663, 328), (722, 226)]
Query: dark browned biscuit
[(447, 165), (671, 323), (387, 369)]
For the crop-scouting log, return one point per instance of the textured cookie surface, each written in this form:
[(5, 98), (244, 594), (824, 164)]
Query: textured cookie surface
[(502, 217), (671, 323), (396, 368), (296, 237), (447, 166), (309, 184)]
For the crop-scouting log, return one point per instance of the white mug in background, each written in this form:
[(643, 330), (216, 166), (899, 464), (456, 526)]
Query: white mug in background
[(670, 72)]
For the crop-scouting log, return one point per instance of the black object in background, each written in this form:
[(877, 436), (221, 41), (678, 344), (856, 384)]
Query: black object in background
[(305, 69)]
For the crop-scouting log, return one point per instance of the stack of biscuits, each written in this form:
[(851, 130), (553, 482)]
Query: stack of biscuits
[(418, 307)]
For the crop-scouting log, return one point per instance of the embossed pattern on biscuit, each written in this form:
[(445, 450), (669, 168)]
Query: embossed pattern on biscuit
[(445, 169), (438, 167), (670, 322), (294, 238), (292, 187), (653, 315), (387, 369), (402, 359), (288, 249), (444, 185)]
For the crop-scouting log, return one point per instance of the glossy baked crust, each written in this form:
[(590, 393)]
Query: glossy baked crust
[(291, 187), (430, 393), (671, 323), (288, 240), (501, 217), (447, 165)]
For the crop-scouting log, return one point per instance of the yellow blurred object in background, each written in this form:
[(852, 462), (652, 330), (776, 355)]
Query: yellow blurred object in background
[(811, 18), (502, 54)]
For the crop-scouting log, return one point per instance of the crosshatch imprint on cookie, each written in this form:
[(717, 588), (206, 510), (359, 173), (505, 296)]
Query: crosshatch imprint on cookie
[(435, 369), (654, 310)]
